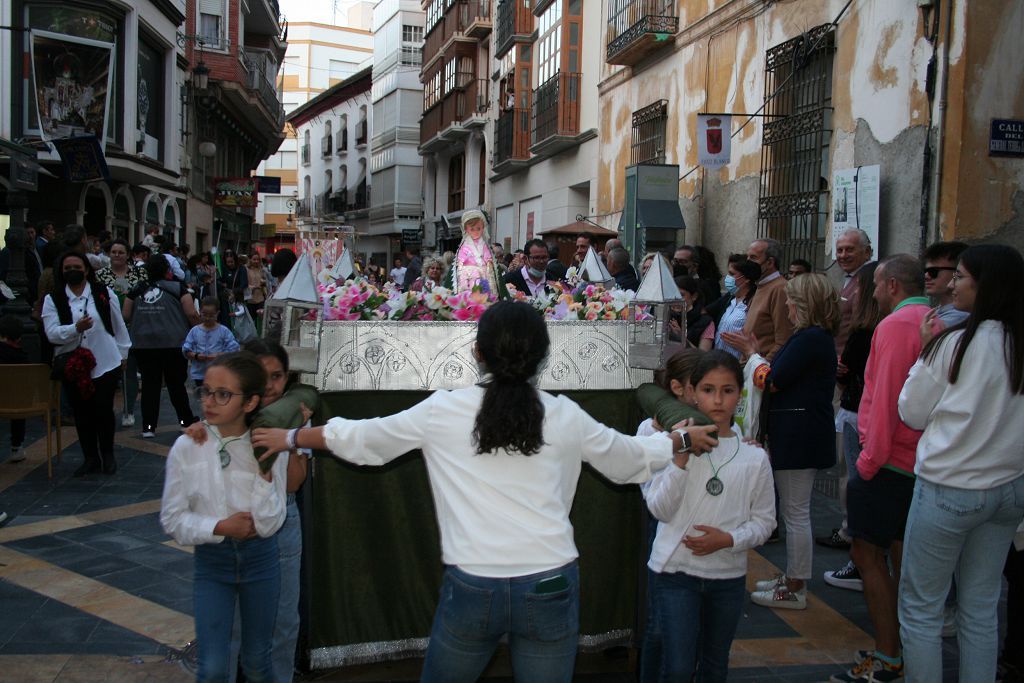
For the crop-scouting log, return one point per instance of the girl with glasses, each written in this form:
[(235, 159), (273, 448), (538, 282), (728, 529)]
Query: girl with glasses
[(217, 499)]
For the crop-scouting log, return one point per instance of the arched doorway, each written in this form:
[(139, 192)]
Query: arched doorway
[(96, 209), (123, 224)]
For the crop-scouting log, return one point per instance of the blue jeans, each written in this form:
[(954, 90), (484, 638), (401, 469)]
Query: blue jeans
[(851, 447), (247, 572), (697, 620), (474, 612), (966, 533), (286, 630)]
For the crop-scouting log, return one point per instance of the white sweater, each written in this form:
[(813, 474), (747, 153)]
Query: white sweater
[(198, 493), (500, 514), (972, 429), (678, 499)]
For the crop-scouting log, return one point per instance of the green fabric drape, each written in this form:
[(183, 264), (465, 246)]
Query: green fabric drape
[(376, 551)]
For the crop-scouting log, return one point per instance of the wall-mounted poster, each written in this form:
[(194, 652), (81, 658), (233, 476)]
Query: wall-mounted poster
[(855, 201), (73, 80)]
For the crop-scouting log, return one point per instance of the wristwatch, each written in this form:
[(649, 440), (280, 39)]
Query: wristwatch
[(687, 443)]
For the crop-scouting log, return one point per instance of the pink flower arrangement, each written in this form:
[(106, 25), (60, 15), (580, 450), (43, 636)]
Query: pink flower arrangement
[(359, 300)]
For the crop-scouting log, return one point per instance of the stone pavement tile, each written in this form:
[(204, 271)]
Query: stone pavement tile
[(145, 669), (143, 526), (132, 579), (116, 542), (32, 669), (98, 565)]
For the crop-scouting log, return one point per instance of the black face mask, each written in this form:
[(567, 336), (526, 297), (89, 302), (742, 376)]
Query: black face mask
[(74, 277)]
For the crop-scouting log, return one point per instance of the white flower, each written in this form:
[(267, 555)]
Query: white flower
[(621, 298)]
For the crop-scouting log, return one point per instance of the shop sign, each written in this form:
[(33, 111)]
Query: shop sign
[(236, 192)]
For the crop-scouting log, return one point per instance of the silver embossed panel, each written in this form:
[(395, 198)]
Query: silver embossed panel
[(390, 356)]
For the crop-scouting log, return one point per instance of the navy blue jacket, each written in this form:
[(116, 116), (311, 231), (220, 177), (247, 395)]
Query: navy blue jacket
[(801, 425)]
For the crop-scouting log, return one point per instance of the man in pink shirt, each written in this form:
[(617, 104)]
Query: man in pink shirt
[(879, 494)]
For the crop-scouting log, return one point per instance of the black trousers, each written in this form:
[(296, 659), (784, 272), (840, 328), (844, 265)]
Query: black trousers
[(161, 367), (1013, 645), (94, 416)]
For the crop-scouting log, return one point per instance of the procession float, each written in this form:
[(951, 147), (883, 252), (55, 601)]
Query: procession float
[(372, 563)]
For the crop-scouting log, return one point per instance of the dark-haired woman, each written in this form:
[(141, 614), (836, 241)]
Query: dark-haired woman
[(967, 393), (80, 312), (741, 283), (161, 313), (503, 460)]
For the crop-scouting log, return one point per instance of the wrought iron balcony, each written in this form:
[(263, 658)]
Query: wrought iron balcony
[(512, 141), (361, 128), (305, 154), (640, 27), (556, 113), (343, 140), (327, 146)]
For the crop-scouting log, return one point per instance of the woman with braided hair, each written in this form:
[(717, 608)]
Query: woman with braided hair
[(503, 460)]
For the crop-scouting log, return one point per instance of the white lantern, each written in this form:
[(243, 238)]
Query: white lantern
[(293, 317), (649, 344)]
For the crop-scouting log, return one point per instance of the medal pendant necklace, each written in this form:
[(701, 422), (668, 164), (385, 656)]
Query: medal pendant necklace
[(222, 449), (715, 485)]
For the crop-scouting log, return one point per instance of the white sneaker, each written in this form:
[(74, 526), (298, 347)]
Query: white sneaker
[(148, 435), (781, 598), (3, 518), (770, 584), (17, 455), (128, 420)]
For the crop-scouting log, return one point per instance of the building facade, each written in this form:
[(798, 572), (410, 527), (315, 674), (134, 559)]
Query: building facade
[(235, 118), (113, 69), (396, 206), (816, 87), (333, 131), (319, 56)]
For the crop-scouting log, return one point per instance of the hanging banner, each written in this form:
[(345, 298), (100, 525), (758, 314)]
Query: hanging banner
[(236, 192), (83, 159), (323, 252), (855, 202), (72, 80), (713, 142)]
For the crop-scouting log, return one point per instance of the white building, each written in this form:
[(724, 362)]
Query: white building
[(396, 204), (333, 131), (319, 56)]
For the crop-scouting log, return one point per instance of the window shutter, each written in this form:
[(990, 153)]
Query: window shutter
[(215, 7)]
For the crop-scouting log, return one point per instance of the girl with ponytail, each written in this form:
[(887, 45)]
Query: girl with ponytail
[(503, 459)]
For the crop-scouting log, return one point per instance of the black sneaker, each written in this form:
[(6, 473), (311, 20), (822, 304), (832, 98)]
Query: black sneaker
[(833, 540), (848, 577)]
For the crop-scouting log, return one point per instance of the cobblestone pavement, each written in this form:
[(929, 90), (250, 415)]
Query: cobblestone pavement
[(92, 589)]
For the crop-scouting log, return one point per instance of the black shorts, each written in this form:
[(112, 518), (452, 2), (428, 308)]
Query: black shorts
[(876, 510)]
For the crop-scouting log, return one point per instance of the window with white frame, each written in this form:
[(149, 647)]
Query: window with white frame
[(549, 42), (412, 34), (211, 23), (449, 76)]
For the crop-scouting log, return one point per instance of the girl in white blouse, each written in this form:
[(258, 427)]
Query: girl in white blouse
[(712, 509), (216, 498), (503, 460)]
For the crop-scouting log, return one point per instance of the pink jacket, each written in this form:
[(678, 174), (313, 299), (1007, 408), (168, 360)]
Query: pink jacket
[(895, 346)]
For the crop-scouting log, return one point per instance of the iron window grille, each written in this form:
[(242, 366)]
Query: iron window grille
[(647, 145), (795, 168)]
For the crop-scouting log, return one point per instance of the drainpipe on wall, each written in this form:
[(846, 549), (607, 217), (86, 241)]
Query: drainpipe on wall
[(932, 225)]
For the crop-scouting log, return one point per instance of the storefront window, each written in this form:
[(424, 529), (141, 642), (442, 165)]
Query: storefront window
[(151, 100), (72, 71)]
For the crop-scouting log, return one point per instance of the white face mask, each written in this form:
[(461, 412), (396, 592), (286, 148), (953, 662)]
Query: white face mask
[(535, 274)]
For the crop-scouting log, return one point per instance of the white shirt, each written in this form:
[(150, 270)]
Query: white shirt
[(108, 350), (398, 275), (500, 514), (678, 499), (175, 265), (535, 287), (972, 429), (198, 492)]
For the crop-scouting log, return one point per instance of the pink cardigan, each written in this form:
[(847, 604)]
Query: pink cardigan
[(895, 346)]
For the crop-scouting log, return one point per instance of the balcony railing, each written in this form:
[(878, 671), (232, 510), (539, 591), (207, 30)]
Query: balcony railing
[(362, 198), (343, 140), (339, 201), (513, 19), (361, 133), (261, 68), (556, 107), (512, 136), (483, 100), (411, 55), (303, 209), (467, 99), (305, 154), (640, 27), (321, 203), (327, 146)]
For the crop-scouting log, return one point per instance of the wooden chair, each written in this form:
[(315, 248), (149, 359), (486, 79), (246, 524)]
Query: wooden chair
[(29, 392)]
